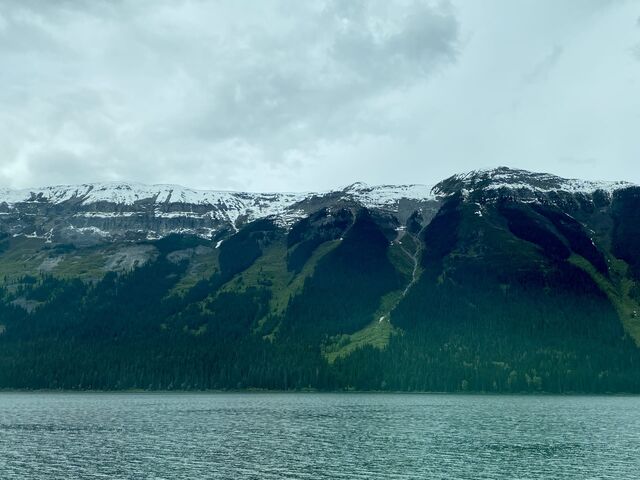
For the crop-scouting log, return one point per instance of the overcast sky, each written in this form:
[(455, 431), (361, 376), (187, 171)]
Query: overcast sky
[(291, 95)]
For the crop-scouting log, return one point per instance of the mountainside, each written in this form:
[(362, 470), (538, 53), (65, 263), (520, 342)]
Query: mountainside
[(495, 280), (107, 212)]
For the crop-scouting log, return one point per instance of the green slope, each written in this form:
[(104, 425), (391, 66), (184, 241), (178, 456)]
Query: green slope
[(502, 296)]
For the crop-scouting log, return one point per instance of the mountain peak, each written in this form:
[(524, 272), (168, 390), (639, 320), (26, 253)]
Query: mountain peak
[(356, 186), (505, 179)]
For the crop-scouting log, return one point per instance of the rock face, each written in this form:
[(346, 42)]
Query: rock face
[(502, 183), (513, 180), (92, 214), (99, 213)]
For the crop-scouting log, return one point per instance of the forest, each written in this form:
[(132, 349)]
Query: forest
[(466, 325)]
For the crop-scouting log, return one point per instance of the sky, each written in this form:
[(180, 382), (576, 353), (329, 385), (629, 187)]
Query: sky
[(298, 96)]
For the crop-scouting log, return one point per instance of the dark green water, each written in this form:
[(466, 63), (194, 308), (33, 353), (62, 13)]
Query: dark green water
[(317, 436)]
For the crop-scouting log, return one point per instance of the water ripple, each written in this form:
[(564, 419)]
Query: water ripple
[(317, 436)]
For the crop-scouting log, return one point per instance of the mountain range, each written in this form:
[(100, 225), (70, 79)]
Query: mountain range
[(499, 280)]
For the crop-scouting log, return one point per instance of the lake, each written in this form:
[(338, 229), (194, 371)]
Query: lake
[(317, 436)]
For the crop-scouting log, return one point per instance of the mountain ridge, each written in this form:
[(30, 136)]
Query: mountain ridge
[(128, 192), (119, 210), (466, 288)]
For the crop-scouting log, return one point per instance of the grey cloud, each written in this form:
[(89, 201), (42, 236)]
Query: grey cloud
[(578, 161), (635, 50), (545, 66), (287, 94), (320, 87), (200, 83)]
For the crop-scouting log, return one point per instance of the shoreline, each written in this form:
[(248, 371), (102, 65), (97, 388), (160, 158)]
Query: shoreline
[(315, 392)]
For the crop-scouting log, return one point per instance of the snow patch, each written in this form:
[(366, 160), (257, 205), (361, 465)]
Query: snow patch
[(384, 196)]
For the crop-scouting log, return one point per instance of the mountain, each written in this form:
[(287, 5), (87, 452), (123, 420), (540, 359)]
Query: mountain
[(498, 280), (107, 212)]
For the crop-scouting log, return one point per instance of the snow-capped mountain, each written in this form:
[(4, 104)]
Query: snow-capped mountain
[(130, 193), (123, 210), (522, 183), (99, 212), (133, 197), (543, 270)]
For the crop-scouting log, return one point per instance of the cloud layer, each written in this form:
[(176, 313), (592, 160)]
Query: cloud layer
[(284, 95)]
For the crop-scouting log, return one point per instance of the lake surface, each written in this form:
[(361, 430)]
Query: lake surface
[(317, 436)]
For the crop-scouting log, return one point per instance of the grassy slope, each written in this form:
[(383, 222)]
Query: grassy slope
[(617, 289), (270, 271), (21, 256), (200, 267), (30, 256), (379, 331)]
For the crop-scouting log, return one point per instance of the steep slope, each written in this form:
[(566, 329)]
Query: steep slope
[(501, 305), (495, 280), (94, 214)]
